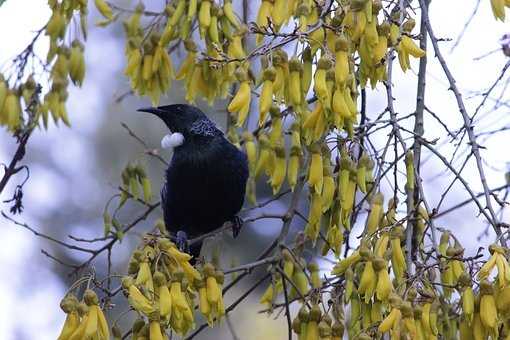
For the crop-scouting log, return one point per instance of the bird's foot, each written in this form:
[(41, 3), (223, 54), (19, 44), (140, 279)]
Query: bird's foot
[(237, 223), (181, 240)]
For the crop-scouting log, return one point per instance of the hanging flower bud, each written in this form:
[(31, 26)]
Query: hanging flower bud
[(328, 188), (316, 173), (295, 92), (356, 19), (398, 262), (341, 61), (488, 310), (263, 15), (69, 305), (498, 9), (295, 156), (312, 329), (276, 134), (56, 26), (235, 48), (306, 78), (280, 168), (343, 178), (228, 12), (300, 280), (314, 275), (266, 95), (241, 101), (76, 63), (266, 161), (251, 150), (376, 213), (136, 299), (104, 9), (188, 65), (320, 87), (314, 216)]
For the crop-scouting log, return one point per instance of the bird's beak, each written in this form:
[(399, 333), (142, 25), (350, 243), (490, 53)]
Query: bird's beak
[(164, 115), (153, 110)]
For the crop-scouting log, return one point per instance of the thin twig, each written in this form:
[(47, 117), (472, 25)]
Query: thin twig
[(493, 219)]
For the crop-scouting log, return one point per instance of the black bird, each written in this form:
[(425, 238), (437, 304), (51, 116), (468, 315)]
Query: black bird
[(206, 179)]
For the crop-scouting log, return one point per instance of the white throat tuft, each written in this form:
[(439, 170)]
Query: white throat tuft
[(172, 141)]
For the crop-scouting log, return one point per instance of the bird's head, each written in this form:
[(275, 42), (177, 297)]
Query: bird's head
[(184, 119)]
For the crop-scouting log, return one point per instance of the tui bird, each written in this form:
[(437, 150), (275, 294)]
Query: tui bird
[(206, 179)]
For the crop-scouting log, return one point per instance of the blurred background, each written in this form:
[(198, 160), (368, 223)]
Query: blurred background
[(74, 171)]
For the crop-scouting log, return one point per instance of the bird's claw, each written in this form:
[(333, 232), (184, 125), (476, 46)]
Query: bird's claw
[(181, 240), (237, 223)]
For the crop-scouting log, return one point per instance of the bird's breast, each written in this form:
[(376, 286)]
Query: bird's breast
[(205, 188)]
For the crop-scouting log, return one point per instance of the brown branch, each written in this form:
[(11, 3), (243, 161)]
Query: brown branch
[(11, 170), (466, 25), (467, 201), (111, 243), (22, 135), (46, 237), (419, 128), (487, 93), (149, 151), (247, 268), (287, 308)]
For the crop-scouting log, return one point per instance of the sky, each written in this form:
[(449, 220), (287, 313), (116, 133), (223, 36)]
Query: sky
[(30, 290)]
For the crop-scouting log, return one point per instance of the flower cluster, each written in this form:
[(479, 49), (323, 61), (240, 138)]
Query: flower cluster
[(64, 62), (164, 288)]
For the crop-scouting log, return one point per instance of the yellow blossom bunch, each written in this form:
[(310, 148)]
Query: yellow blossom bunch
[(295, 271), (64, 62), (164, 287), (295, 113), (218, 59), (85, 320)]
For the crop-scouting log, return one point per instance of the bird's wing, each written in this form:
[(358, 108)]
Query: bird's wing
[(163, 203)]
